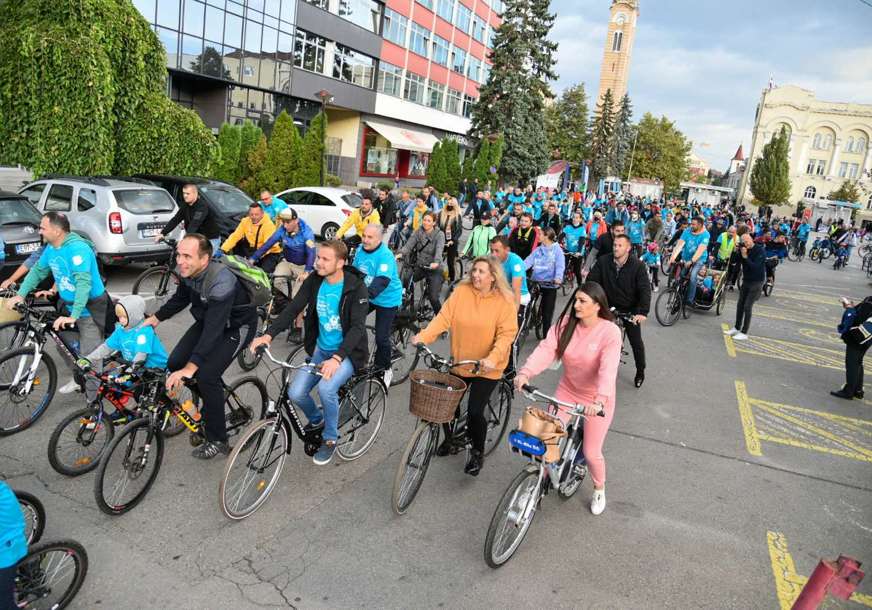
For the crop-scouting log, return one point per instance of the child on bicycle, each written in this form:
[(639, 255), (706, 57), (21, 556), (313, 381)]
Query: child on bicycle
[(651, 258)]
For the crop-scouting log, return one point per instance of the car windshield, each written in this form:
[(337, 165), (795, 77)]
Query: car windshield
[(352, 199), (144, 201), (229, 200), (18, 211)]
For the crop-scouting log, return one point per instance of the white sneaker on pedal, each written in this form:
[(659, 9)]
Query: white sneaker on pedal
[(388, 377), (732, 332), (740, 337), (70, 387), (598, 502)]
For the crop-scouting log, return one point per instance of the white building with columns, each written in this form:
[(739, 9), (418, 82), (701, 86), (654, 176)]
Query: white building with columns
[(829, 143)]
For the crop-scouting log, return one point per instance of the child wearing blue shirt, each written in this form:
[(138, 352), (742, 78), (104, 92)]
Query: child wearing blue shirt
[(651, 257), (137, 343)]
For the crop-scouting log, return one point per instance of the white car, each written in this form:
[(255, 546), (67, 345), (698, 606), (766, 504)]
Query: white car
[(324, 208)]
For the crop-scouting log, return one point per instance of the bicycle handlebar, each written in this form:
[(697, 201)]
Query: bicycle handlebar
[(263, 350), (449, 362), (573, 408)]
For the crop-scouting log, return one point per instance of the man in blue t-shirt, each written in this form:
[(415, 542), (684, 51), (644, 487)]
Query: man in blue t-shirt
[(692, 246), (376, 261)]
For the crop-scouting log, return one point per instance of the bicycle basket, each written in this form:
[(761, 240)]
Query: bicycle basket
[(434, 396), (546, 427)]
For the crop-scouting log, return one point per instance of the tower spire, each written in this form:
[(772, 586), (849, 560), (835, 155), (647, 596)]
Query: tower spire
[(618, 50)]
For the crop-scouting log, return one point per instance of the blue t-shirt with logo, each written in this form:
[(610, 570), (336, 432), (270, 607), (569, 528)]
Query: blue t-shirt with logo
[(138, 340), (329, 325), (514, 267), (636, 231), (381, 263), (74, 256), (692, 242), (802, 232), (574, 237)]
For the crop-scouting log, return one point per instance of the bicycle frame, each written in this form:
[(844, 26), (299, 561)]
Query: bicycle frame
[(37, 332)]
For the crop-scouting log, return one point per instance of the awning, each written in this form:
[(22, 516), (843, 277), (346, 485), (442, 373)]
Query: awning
[(404, 137)]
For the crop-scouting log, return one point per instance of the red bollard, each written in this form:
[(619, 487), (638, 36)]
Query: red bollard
[(839, 578)]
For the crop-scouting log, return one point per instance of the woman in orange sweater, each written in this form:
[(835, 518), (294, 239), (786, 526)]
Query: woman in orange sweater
[(482, 321)]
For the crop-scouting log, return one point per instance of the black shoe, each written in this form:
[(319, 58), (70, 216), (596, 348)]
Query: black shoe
[(210, 449), (640, 379), (474, 463), (859, 394), (445, 448), (842, 394)]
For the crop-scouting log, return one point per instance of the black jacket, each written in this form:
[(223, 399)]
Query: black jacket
[(197, 218), (353, 309), (605, 244), (387, 210), (627, 290), (554, 222), (754, 267)]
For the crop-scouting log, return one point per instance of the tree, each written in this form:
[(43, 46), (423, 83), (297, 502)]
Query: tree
[(661, 152), (451, 160), (312, 157), (566, 125), (256, 180), (482, 162), (849, 191), (437, 176), (602, 138), (511, 102), (770, 176), (468, 168), (249, 137), (229, 167), (284, 155), (624, 134), (210, 63), (497, 147)]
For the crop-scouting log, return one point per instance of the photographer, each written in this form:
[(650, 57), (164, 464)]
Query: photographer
[(855, 332), (753, 257)]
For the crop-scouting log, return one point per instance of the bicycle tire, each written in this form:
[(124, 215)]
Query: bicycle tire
[(90, 423), (686, 307), (161, 291), (13, 334), (421, 445), (7, 401), (373, 412), (255, 434), (128, 434), (720, 304), (30, 567), (458, 268), (498, 420), (247, 360), (767, 289), (666, 313), (237, 412), (400, 338), (500, 519), (34, 515)]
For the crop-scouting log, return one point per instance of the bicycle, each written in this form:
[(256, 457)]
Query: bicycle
[(246, 360), (423, 311), (266, 444), (821, 249), (769, 284), (34, 516), (622, 319), (841, 260), (137, 451), (532, 316), (421, 447), (161, 281), (402, 362), (570, 260), (672, 302), (797, 250), (514, 513)]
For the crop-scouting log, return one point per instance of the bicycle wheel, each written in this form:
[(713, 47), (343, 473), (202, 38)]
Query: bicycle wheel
[(458, 268), (34, 516), (361, 414), (467, 222), (157, 285), (79, 440), (512, 518), (404, 357), (667, 307), (50, 575), (247, 360), (720, 305), (133, 457), (26, 388), (686, 307), (13, 334), (253, 468), (245, 399), (497, 413), (413, 465)]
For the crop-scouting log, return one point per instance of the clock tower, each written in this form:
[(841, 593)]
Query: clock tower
[(615, 70)]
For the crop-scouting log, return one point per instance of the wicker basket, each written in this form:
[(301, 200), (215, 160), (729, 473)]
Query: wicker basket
[(7, 315), (434, 396)]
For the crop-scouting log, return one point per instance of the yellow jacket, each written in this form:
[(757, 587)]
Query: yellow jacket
[(359, 223), (255, 234), (418, 215)]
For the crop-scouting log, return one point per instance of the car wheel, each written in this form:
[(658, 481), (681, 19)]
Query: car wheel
[(328, 231)]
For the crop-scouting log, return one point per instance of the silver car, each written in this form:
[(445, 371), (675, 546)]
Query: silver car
[(119, 217)]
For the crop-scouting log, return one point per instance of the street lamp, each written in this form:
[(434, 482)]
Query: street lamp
[(326, 97)]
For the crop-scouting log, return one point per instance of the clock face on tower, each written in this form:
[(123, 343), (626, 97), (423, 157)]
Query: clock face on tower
[(620, 18)]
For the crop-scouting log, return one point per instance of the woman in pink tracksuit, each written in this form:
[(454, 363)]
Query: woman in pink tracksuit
[(588, 343)]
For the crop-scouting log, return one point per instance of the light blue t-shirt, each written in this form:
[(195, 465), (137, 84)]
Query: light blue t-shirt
[(514, 267), (381, 263), (138, 340), (692, 242), (74, 256), (329, 325), (652, 259), (13, 542), (574, 237), (636, 231)]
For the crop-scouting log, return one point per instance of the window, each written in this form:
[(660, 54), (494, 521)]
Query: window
[(353, 67), (849, 145), (365, 13), (168, 14), (146, 7), (869, 203), (809, 169), (170, 41), (435, 95), (485, 72), (816, 143), (458, 60), (214, 23), (87, 200), (474, 68), (440, 50), (59, 199), (468, 101), (843, 169), (445, 9), (828, 142), (427, 3), (497, 6), (452, 101), (810, 192), (194, 17), (478, 27), (309, 51), (333, 152), (853, 170), (395, 27), (821, 167), (414, 89), (33, 193), (378, 155), (616, 42), (420, 41), (464, 18), (390, 79), (491, 33), (318, 3), (418, 163), (861, 145)]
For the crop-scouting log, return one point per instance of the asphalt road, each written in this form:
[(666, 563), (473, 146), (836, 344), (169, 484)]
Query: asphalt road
[(730, 473)]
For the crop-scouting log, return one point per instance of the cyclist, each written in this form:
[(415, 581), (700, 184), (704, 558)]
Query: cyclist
[(336, 304), (692, 246), (13, 543), (726, 244), (478, 243), (513, 270), (358, 219), (574, 236), (375, 260), (636, 232), (195, 216), (802, 232), (136, 342), (271, 204), (251, 234), (550, 219), (386, 208), (221, 308), (71, 261), (547, 263), (524, 239), (589, 346), (452, 227), (486, 338), (604, 244), (423, 254)]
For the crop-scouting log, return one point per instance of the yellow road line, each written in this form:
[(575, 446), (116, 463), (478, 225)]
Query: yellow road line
[(816, 335), (786, 315), (831, 416), (808, 297), (749, 427), (790, 442), (792, 352), (819, 431), (728, 341)]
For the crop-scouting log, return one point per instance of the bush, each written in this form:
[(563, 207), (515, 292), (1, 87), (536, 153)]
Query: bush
[(332, 180), (312, 159), (385, 184), (228, 167), (283, 155), (256, 161)]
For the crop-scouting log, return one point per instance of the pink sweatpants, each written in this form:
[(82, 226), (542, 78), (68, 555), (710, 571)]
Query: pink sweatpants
[(595, 429)]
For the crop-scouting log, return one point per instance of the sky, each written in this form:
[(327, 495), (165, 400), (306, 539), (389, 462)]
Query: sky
[(705, 63)]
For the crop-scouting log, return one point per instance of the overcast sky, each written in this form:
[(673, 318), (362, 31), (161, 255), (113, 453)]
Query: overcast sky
[(704, 63)]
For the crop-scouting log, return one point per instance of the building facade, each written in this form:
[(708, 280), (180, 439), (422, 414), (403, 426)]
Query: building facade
[(397, 76), (829, 144), (733, 178), (618, 50)]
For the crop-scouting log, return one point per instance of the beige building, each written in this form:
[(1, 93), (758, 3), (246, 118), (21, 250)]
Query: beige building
[(829, 143), (618, 51)]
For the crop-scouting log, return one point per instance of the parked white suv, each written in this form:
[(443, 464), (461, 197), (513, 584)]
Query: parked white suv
[(119, 216), (324, 208)]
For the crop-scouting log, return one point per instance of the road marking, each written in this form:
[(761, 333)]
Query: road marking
[(830, 338), (779, 313), (786, 350), (728, 341), (808, 297), (802, 428), (789, 584)]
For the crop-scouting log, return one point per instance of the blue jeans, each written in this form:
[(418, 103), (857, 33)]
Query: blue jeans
[(216, 248), (694, 272), (328, 391)]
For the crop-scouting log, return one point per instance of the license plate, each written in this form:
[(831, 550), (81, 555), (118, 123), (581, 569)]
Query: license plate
[(27, 248), (525, 443), (151, 232)]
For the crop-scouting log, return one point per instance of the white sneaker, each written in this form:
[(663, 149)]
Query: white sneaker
[(732, 332), (388, 377), (740, 337), (655, 288), (70, 387), (598, 502)]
